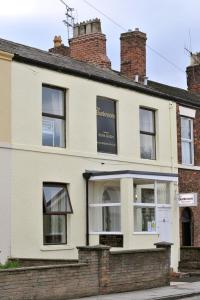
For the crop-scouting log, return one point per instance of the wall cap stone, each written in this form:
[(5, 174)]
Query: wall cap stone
[(94, 248)]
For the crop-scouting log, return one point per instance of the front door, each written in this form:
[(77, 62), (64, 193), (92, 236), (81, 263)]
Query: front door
[(164, 224)]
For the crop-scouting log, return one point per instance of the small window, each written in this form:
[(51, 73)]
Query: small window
[(147, 134), (187, 146), (56, 206), (53, 117)]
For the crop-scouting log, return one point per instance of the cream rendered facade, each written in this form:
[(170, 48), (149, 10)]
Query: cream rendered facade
[(26, 164)]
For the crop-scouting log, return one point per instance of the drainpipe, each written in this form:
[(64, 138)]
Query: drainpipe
[(87, 177)]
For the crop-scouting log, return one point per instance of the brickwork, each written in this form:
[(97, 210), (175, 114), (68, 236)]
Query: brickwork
[(61, 50), (133, 54), (189, 259), (193, 78), (99, 271), (28, 262), (90, 48), (189, 180)]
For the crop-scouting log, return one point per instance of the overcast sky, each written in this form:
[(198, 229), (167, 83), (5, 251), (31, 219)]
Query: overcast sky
[(170, 25)]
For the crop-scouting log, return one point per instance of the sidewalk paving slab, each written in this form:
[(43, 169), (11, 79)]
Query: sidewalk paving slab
[(173, 292)]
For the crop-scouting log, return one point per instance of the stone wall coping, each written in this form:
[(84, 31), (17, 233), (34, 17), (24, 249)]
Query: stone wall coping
[(42, 259), (94, 248), (36, 268), (190, 248), (138, 251)]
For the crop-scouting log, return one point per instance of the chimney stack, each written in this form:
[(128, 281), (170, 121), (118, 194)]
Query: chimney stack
[(89, 44), (133, 55), (59, 48), (193, 73)]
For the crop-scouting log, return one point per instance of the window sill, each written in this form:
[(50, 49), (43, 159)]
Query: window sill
[(56, 247), (146, 233), (106, 233)]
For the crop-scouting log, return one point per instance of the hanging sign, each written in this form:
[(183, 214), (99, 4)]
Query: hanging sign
[(188, 199)]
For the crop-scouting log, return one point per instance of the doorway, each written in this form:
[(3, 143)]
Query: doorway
[(186, 227)]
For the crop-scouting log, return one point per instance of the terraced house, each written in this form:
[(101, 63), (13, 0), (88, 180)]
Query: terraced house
[(88, 155)]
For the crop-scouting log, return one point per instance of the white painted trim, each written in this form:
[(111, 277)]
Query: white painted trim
[(189, 167), (188, 112), (104, 204), (106, 232), (56, 247), (145, 233), (139, 176)]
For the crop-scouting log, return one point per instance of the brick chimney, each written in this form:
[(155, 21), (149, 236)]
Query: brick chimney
[(193, 73), (89, 43), (59, 48), (133, 55)]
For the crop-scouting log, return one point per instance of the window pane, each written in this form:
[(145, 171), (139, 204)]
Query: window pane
[(186, 129), (144, 193), (186, 148), (163, 193), (144, 219), (106, 219), (111, 195), (147, 120), (52, 101), (54, 229), (147, 146), (56, 199), (53, 132)]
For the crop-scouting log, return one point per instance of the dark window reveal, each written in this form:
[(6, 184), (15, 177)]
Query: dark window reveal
[(106, 126), (56, 206)]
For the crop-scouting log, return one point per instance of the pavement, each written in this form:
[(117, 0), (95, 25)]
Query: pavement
[(177, 290)]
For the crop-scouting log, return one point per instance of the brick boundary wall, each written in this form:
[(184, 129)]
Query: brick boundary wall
[(99, 271), (189, 259)]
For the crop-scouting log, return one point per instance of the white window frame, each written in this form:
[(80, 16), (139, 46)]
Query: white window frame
[(189, 141), (98, 193), (155, 205)]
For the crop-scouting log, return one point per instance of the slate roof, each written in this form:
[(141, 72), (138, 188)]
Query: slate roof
[(40, 58)]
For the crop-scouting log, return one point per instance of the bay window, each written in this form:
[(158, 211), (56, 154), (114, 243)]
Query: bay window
[(56, 206), (105, 210), (187, 147), (53, 116), (149, 197)]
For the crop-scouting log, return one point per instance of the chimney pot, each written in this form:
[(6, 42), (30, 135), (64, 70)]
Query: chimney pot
[(57, 41)]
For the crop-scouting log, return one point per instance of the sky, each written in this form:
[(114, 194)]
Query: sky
[(170, 25)]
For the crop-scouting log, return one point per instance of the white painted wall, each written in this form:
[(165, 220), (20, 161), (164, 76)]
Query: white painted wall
[(32, 164)]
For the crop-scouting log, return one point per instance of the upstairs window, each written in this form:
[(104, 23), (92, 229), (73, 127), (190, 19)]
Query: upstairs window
[(106, 125), (147, 134), (187, 147), (56, 206), (53, 117)]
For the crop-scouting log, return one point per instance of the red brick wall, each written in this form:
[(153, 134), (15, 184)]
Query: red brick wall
[(90, 48), (189, 180), (98, 272), (193, 78), (133, 54)]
